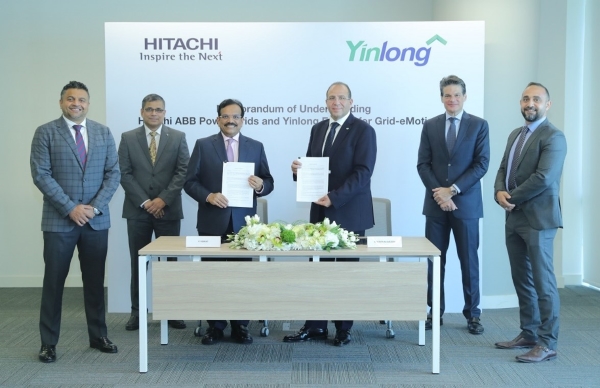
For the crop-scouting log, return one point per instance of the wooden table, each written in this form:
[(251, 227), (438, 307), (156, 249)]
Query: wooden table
[(289, 290)]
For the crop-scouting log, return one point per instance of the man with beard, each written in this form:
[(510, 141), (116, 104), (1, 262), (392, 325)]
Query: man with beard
[(204, 184), (527, 187)]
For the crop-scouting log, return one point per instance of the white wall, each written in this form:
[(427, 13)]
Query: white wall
[(46, 44)]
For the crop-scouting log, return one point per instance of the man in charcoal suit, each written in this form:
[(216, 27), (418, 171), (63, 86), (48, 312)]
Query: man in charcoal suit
[(527, 188), (153, 160)]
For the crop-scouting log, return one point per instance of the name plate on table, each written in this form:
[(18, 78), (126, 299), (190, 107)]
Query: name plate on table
[(384, 241), (202, 241)]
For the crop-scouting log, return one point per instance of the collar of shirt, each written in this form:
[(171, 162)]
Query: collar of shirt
[(533, 126), (458, 116), (83, 130), (156, 138), (235, 145), (148, 130), (341, 121)]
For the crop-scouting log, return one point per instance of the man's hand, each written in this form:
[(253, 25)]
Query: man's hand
[(324, 201), (442, 194), (296, 164), (255, 182), (217, 199), (502, 197), (448, 206), (159, 214), (155, 206), (81, 214)]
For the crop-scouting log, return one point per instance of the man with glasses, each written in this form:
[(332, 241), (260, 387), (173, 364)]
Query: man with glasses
[(153, 160), (351, 146), (454, 154), (204, 184)]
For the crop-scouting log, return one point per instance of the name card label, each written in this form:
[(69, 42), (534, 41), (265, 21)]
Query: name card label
[(202, 241), (384, 241)]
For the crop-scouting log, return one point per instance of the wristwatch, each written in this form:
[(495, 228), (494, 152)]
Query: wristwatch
[(96, 211), (453, 191)]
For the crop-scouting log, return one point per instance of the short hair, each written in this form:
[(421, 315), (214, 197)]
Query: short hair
[(541, 86), (339, 83), (227, 102), (452, 80), (74, 85), (152, 97)]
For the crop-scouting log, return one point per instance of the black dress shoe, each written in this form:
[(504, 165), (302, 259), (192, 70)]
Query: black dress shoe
[(177, 324), (240, 335), (133, 323), (212, 336), (474, 326), (342, 337), (103, 344), (429, 323), (47, 353), (305, 334)]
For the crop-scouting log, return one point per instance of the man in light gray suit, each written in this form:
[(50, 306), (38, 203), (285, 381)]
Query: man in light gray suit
[(74, 164), (153, 160), (527, 188)]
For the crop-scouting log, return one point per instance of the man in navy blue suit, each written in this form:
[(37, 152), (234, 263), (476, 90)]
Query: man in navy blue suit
[(454, 155), (204, 183), (352, 150)]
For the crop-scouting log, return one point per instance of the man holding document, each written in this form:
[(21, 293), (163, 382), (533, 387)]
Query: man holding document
[(226, 173), (351, 146)]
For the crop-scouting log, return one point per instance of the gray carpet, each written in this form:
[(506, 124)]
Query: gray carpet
[(371, 360)]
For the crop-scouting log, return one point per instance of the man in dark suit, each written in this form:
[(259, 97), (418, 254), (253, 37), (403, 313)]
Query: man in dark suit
[(204, 183), (153, 160), (74, 164), (352, 150), (454, 155), (527, 188)]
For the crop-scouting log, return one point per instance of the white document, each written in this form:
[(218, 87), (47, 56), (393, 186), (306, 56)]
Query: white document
[(312, 179), (236, 188)]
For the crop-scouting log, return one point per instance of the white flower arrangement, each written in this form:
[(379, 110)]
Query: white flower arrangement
[(277, 236)]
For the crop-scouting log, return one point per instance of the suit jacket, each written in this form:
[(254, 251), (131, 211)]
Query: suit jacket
[(205, 176), (537, 176), (351, 164), (141, 180), (464, 167), (59, 175)]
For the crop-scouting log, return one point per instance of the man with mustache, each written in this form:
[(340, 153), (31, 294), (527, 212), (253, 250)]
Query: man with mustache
[(204, 184), (527, 187)]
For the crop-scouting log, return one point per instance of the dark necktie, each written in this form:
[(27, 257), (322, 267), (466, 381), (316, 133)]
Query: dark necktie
[(152, 147), (80, 144), (512, 179), (330, 136), (451, 135)]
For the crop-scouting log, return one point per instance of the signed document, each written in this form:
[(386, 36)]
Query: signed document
[(312, 179), (235, 183)]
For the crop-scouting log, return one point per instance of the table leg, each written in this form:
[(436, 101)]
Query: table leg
[(143, 315), (435, 316)]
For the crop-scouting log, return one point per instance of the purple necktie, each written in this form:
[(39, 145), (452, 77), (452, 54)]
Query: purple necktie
[(80, 144), (512, 176), (230, 157)]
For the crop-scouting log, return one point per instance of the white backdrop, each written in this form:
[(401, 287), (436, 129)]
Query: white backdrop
[(280, 72)]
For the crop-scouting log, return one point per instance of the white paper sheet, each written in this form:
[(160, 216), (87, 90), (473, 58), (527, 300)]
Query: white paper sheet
[(312, 179), (236, 188)]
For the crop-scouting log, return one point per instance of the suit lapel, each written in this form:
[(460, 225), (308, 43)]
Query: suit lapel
[(141, 137), (343, 132), (242, 149), (219, 145), (65, 132), (163, 143), (440, 133), (533, 138), (463, 129)]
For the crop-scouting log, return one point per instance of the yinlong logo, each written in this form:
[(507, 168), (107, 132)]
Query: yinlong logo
[(360, 51)]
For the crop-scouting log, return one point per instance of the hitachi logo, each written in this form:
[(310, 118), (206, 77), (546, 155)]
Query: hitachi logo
[(181, 44), (420, 56)]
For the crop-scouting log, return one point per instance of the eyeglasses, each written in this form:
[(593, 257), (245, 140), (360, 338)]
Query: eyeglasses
[(338, 98), (157, 110), (227, 117)]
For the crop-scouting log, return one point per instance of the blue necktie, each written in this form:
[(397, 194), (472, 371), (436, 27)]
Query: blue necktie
[(330, 136), (80, 144)]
